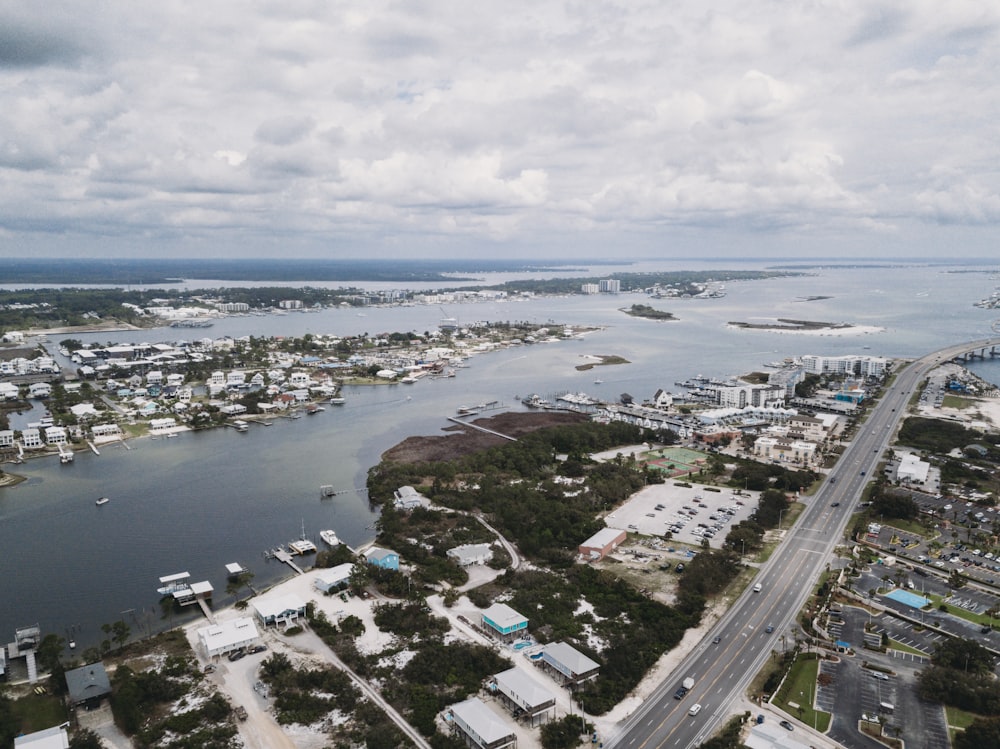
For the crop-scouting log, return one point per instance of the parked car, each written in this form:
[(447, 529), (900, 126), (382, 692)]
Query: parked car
[(786, 725), (258, 648), (237, 654)]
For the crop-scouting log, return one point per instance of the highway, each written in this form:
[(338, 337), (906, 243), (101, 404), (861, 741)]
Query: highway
[(723, 671)]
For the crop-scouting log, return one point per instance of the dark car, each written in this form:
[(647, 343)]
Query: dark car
[(716, 640), (258, 649), (237, 654), (786, 725), (770, 628), (835, 504), (679, 694)]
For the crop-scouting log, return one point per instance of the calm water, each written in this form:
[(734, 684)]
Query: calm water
[(199, 501)]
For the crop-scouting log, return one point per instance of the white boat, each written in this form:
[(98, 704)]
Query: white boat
[(337, 401), (102, 501), (302, 546), (329, 538)]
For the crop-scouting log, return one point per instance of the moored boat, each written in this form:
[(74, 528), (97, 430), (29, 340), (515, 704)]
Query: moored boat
[(102, 501), (329, 538)]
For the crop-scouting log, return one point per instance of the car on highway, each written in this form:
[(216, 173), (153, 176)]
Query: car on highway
[(695, 709), (786, 725), (769, 629), (835, 504), (716, 640)]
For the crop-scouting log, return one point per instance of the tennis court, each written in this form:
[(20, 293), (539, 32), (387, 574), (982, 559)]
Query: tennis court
[(675, 461)]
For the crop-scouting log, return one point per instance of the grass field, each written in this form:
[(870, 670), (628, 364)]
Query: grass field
[(799, 688)]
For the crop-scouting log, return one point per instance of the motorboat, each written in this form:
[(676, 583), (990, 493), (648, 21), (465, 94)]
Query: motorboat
[(102, 501), (329, 538)]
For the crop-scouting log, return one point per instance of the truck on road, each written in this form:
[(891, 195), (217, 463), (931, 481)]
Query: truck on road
[(684, 688)]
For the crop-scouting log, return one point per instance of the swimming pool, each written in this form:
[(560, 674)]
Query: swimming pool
[(909, 599)]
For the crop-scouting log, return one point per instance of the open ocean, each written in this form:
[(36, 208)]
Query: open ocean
[(202, 500)]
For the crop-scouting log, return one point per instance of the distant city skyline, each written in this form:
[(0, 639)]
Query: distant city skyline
[(518, 130)]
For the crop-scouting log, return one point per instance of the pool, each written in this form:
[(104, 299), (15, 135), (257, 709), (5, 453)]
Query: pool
[(522, 645), (907, 598)]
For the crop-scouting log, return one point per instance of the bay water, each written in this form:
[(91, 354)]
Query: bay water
[(202, 500)]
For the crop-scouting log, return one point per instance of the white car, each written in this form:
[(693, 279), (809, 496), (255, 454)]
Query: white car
[(695, 709)]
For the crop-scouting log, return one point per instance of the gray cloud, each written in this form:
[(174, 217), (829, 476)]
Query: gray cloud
[(521, 125)]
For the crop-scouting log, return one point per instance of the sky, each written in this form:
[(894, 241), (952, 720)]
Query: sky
[(443, 128)]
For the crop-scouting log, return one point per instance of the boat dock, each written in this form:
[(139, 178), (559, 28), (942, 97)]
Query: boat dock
[(481, 429), (283, 556)]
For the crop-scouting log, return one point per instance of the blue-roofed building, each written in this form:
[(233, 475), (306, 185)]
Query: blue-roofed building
[(384, 558), (501, 620)]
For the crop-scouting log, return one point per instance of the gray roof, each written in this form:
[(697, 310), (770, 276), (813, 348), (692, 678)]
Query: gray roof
[(87, 682), (570, 657), (480, 719), (515, 682)]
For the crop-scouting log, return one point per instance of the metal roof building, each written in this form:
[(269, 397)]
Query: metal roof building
[(226, 637), (481, 727), (502, 620), (524, 694), (573, 665)]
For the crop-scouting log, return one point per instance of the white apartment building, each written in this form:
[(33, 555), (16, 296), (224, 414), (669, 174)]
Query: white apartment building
[(864, 366)]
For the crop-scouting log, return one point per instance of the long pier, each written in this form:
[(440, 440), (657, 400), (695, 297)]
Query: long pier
[(482, 429), (205, 609)]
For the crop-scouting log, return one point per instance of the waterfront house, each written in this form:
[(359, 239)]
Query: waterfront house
[(407, 498), (39, 390), (525, 696), (9, 391), (469, 554), (480, 727), (333, 578), (105, 432), (226, 637), (602, 543), (55, 436), (568, 663), (87, 685), (6, 438), (159, 425), (384, 558), (279, 609), (504, 622), (31, 439)]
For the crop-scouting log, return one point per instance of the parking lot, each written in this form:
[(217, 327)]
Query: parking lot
[(880, 686), (689, 513)]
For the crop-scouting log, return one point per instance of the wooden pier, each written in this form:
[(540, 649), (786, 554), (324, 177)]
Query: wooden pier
[(481, 429), (283, 556)]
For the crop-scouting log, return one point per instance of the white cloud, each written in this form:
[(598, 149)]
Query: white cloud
[(534, 124)]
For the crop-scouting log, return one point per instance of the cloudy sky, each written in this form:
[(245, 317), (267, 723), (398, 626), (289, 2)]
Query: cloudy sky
[(502, 128)]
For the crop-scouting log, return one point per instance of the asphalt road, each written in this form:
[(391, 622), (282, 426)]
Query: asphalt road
[(722, 672)]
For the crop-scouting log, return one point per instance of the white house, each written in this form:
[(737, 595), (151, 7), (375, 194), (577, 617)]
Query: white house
[(228, 636), (332, 578), (55, 436), (7, 438), (469, 554), (9, 391), (31, 438), (279, 609), (481, 727), (39, 390)]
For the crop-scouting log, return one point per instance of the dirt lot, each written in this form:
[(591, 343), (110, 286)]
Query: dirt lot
[(466, 440)]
